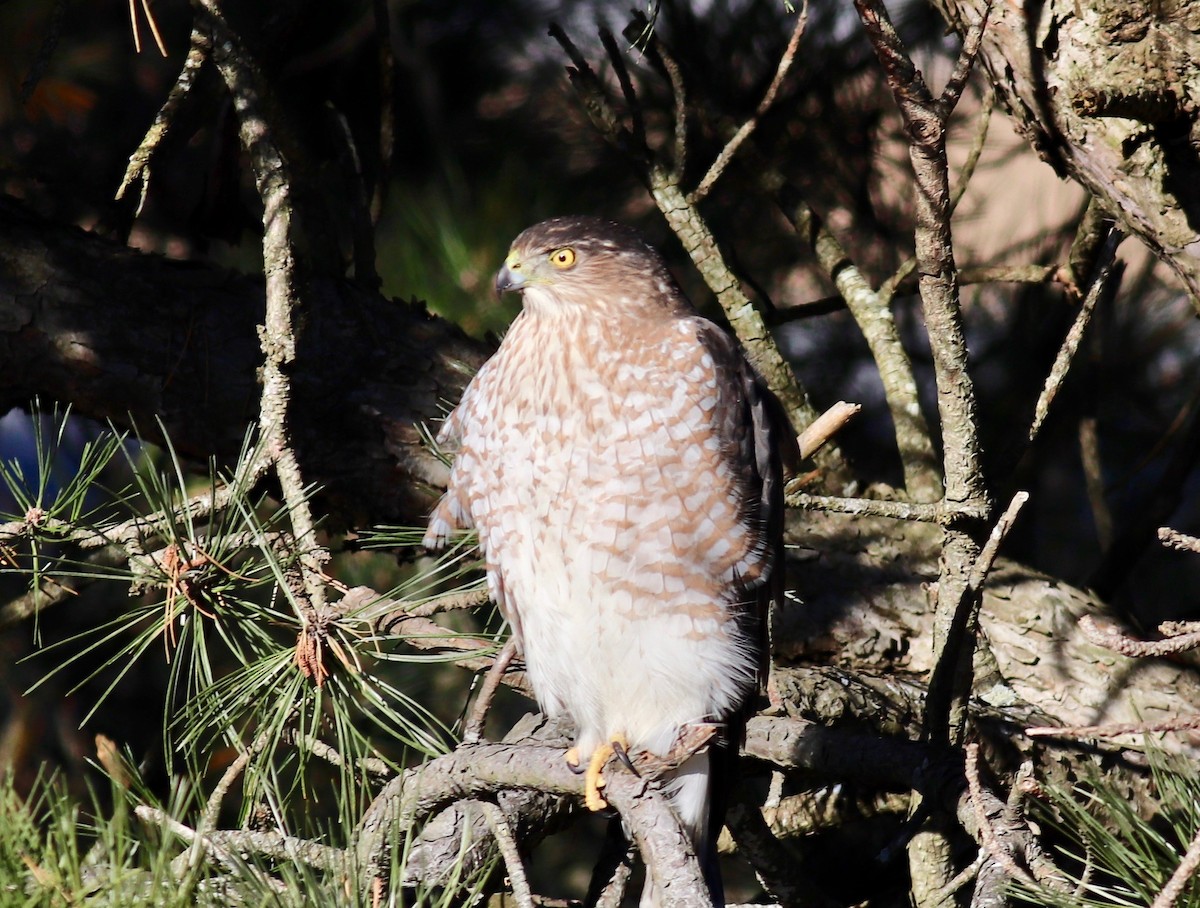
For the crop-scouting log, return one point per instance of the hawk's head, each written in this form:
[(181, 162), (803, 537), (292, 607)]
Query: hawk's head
[(588, 262)]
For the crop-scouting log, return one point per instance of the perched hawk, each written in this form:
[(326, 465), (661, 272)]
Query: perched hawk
[(617, 456)]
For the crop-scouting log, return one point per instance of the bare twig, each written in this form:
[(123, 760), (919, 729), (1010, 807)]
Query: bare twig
[(1114, 639), (957, 606), (204, 845), (953, 89), (874, 507), (1090, 234), (419, 632), (637, 123), (1115, 730), (874, 318), (925, 119), (199, 51), (1179, 879), (945, 895), (679, 92), (1177, 540), (1066, 353), (271, 844), (991, 548), (446, 602), (987, 834), (473, 729), (286, 264), (726, 155), (824, 427), (974, 153), (902, 283), (212, 810), (513, 862), (318, 748)]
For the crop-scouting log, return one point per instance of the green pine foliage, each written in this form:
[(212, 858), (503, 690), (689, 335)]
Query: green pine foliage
[(1111, 854), (251, 745)]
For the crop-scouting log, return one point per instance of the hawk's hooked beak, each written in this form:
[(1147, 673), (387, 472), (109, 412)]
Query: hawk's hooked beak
[(510, 276)]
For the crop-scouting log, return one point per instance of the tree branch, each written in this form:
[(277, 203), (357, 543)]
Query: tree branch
[(171, 347)]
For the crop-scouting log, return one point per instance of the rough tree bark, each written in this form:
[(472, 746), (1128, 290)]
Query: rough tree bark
[(1106, 91), (865, 608)]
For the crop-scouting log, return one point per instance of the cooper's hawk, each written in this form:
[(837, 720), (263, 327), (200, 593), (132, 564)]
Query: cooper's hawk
[(617, 457)]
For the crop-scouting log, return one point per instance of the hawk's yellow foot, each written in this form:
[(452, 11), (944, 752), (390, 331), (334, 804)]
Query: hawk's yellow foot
[(594, 780)]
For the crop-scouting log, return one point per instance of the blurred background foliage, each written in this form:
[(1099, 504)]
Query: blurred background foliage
[(489, 138)]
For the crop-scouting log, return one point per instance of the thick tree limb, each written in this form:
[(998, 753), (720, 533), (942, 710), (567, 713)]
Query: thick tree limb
[(133, 338), (484, 768), (1103, 91)]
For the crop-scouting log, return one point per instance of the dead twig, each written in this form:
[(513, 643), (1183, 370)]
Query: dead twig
[(987, 834), (288, 269), (507, 843), (743, 132), (976, 149), (955, 625), (1070, 345), (399, 609), (199, 52), (902, 283), (991, 548), (866, 507), (663, 180), (204, 846), (1179, 879), (1115, 730), (1113, 638), (1177, 540), (473, 729), (936, 512), (824, 427)]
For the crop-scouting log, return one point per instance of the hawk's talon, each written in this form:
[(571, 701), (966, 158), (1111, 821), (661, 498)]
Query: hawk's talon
[(595, 781), (623, 756), (572, 758)]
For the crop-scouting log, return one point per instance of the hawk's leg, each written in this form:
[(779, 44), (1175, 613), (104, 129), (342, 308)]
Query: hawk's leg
[(618, 746)]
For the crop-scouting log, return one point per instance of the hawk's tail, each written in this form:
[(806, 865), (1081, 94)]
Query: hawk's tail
[(696, 792)]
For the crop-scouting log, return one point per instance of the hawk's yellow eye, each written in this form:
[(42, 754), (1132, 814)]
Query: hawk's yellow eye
[(563, 258)]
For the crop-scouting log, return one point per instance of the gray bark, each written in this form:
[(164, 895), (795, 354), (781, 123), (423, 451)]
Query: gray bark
[(1106, 91)]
